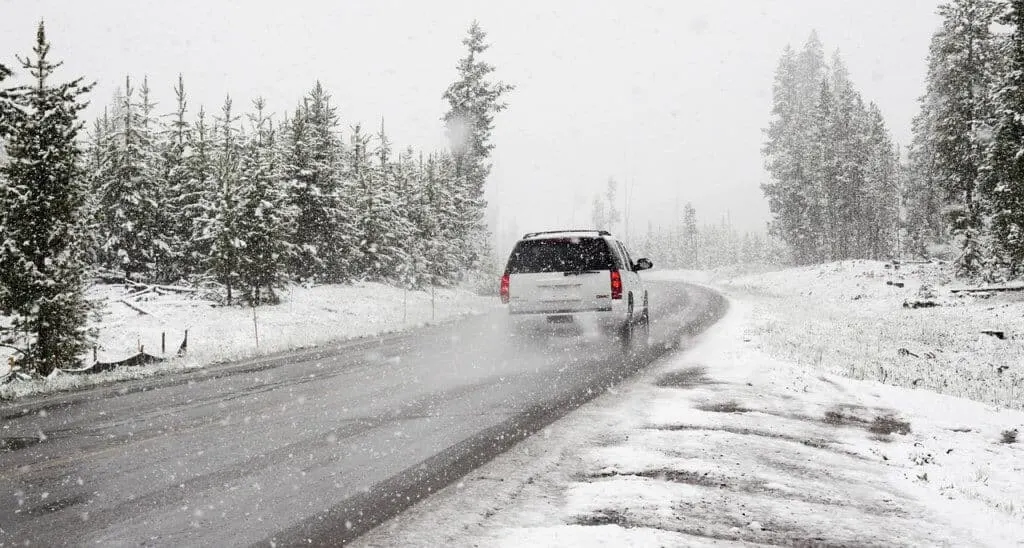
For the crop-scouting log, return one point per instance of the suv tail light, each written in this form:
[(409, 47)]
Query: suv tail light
[(616, 284), (504, 288)]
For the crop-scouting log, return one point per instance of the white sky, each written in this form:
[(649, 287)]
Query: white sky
[(667, 96)]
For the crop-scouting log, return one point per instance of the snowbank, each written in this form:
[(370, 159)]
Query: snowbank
[(306, 317)]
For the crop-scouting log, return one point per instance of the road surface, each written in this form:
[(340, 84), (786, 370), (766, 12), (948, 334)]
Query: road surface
[(315, 446)]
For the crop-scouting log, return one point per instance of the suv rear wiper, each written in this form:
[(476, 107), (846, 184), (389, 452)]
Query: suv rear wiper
[(578, 272)]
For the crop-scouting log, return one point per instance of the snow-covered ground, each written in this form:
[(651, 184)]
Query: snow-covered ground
[(753, 437), (846, 318), (306, 317)]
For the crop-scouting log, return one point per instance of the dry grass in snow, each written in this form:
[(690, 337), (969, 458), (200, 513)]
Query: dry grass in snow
[(844, 318)]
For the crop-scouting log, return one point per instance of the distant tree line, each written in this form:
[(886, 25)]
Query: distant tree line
[(834, 178), (693, 245), (684, 242), (245, 200), (965, 169)]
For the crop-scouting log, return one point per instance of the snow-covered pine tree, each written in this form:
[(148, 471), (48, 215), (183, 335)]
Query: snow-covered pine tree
[(408, 186), (444, 198), (334, 234), (42, 194), (814, 164), (447, 253), (367, 206), (412, 208), (961, 63), (198, 191), (923, 194), (313, 168), (263, 221), (96, 157), (392, 223), (1005, 186), (846, 204), (222, 209), (129, 213), (180, 203), (880, 209), (787, 151), (8, 113), (163, 248), (473, 100), (303, 197), (8, 110)]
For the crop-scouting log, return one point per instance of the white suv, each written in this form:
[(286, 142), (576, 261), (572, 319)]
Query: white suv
[(580, 277)]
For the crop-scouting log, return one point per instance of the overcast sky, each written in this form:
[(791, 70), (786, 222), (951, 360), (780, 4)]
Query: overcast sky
[(666, 97)]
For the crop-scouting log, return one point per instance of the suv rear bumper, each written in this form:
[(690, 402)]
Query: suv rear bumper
[(579, 321), (570, 311)]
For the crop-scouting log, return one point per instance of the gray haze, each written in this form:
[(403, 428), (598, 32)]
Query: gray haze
[(668, 97)]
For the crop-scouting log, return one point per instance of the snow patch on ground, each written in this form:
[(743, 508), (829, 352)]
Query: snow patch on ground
[(306, 317), (735, 442)]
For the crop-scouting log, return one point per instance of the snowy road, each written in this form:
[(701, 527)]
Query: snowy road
[(724, 445), (311, 446)]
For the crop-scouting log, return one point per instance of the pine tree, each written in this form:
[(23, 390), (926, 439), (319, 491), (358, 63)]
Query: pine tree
[(263, 220), (313, 168), (923, 195), (846, 193), (603, 214), (42, 194), (8, 109), (296, 169), (598, 214), (393, 222), (221, 230), (196, 193), (822, 188), (444, 253), (163, 247), (1006, 153), (414, 210), (473, 100), (790, 151), (880, 210), (611, 195), (96, 159), (691, 255), (131, 221), (960, 67), (367, 204), (181, 199)]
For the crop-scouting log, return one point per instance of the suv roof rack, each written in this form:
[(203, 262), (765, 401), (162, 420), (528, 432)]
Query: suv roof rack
[(598, 232)]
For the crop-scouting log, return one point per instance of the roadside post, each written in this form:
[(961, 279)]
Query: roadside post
[(255, 326)]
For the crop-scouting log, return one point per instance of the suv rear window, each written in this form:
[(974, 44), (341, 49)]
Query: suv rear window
[(560, 255)]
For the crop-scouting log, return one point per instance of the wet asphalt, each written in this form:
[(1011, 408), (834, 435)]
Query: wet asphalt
[(309, 447)]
